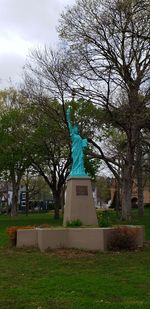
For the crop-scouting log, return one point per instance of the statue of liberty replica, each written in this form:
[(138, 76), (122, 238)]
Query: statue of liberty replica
[(77, 149), (79, 204)]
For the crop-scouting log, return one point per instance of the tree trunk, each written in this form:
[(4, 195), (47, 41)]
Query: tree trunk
[(118, 203), (127, 186), (139, 173), (126, 196), (15, 179), (8, 206), (62, 198), (14, 207), (57, 203), (27, 199)]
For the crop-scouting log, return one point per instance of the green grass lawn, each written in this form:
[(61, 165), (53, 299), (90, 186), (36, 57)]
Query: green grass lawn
[(30, 279), (72, 279)]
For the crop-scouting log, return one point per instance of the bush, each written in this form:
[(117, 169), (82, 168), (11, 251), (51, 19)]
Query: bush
[(123, 238), (12, 232), (74, 223), (103, 218)]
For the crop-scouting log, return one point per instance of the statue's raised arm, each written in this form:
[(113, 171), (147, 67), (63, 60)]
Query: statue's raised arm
[(78, 144), (69, 119)]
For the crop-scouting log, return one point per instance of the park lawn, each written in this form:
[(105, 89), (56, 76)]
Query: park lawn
[(72, 279)]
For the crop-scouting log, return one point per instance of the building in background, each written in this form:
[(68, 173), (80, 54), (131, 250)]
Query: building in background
[(134, 198)]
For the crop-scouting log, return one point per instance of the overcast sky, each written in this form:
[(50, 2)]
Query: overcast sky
[(25, 24)]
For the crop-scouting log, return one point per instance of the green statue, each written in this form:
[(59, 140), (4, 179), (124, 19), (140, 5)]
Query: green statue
[(78, 144)]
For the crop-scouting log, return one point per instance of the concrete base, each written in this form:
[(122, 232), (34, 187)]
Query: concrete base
[(79, 201), (96, 239)]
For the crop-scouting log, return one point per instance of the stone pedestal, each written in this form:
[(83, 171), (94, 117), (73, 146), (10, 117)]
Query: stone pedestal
[(79, 201)]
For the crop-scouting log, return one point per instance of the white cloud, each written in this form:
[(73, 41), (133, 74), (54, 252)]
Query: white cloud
[(30, 19), (11, 69), (25, 24), (14, 44)]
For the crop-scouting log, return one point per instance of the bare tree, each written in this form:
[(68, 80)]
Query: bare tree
[(109, 47)]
